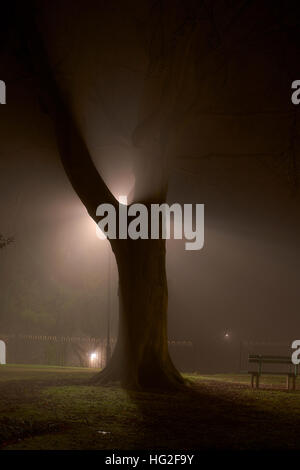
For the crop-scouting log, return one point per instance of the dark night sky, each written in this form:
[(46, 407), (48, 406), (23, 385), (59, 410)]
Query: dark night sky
[(246, 278)]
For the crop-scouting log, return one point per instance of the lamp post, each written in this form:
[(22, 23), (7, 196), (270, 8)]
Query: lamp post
[(101, 235), (108, 318)]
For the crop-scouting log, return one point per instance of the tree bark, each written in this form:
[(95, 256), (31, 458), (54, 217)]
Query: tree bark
[(141, 359)]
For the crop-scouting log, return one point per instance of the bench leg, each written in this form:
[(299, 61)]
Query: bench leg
[(255, 380), (291, 382)]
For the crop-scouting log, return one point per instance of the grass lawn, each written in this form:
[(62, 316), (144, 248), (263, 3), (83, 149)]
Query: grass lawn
[(56, 408)]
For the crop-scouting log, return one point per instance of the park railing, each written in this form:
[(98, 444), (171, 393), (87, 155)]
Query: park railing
[(82, 351)]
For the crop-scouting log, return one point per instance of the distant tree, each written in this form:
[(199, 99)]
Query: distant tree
[(5, 241)]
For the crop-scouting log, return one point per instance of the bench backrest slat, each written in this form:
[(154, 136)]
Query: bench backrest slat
[(270, 361), (267, 359), (262, 357)]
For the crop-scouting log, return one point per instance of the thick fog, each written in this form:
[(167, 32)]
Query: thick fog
[(55, 276)]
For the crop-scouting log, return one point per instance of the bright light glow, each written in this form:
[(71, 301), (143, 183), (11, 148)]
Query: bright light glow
[(123, 200), (93, 356), (99, 233)]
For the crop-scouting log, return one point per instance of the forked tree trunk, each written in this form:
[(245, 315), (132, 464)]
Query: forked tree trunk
[(141, 359)]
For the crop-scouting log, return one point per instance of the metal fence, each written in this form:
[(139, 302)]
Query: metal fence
[(55, 350), (75, 351)]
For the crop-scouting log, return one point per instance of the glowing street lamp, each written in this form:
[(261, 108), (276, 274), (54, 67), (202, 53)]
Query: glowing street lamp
[(123, 200), (93, 359)]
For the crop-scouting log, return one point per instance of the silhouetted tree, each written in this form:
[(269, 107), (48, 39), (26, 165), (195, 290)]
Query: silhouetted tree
[(188, 48), (5, 241)]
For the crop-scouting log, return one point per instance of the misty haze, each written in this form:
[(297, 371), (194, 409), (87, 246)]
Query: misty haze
[(163, 102)]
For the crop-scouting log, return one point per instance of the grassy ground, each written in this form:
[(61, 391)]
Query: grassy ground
[(56, 408)]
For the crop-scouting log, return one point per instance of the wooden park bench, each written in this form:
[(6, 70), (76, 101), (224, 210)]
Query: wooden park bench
[(260, 360)]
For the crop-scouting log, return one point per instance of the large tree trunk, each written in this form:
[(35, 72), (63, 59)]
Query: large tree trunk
[(141, 358)]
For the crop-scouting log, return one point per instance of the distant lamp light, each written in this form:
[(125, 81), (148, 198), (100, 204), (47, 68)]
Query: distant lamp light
[(94, 359), (226, 335)]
